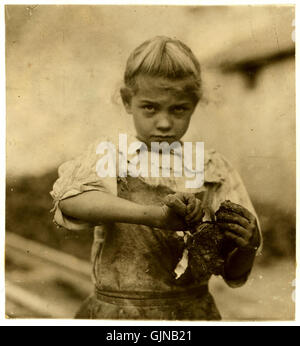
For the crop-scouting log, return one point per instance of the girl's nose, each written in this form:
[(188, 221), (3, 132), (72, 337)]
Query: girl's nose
[(163, 123)]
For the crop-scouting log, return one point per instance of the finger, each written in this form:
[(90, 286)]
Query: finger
[(197, 219), (169, 200), (179, 207), (236, 229), (193, 212), (190, 201), (236, 208), (225, 216), (238, 240), (197, 214), (172, 201)]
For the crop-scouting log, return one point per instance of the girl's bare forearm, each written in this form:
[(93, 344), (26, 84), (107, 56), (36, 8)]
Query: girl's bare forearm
[(99, 207)]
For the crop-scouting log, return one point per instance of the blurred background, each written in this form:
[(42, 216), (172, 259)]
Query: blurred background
[(64, 67)]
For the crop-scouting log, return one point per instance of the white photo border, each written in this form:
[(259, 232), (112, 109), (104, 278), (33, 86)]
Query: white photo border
[(56, 322)]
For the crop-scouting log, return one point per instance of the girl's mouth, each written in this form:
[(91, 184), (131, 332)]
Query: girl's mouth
[(162, 138)]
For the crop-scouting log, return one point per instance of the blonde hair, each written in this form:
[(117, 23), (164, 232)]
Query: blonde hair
[(164, 57)]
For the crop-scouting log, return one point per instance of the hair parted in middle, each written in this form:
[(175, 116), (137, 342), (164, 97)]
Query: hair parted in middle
[(163, 57)]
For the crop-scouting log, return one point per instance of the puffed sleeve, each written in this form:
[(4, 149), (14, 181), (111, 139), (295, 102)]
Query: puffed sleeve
[(233, 189), (75, 177)]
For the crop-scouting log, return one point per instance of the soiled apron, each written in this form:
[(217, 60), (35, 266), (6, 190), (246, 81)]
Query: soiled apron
[(133, 269)]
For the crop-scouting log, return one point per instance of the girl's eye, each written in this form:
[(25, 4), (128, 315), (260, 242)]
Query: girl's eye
[(179, 110), (149, 108)]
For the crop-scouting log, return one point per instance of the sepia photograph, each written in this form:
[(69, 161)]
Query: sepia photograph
[(150, 162)]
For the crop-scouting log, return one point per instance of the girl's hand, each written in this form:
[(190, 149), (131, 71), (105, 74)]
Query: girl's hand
[(187, 206), (239, 224), (171, 220)]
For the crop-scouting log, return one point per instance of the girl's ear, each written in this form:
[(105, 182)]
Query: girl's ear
[(126, 98)]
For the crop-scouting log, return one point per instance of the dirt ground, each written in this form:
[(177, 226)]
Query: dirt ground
[(268, 294)]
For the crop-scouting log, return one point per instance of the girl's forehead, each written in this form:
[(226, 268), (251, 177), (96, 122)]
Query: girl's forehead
[(159, 87)]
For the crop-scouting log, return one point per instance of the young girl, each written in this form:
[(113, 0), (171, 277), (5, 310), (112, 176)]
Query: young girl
[(138, 229)]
